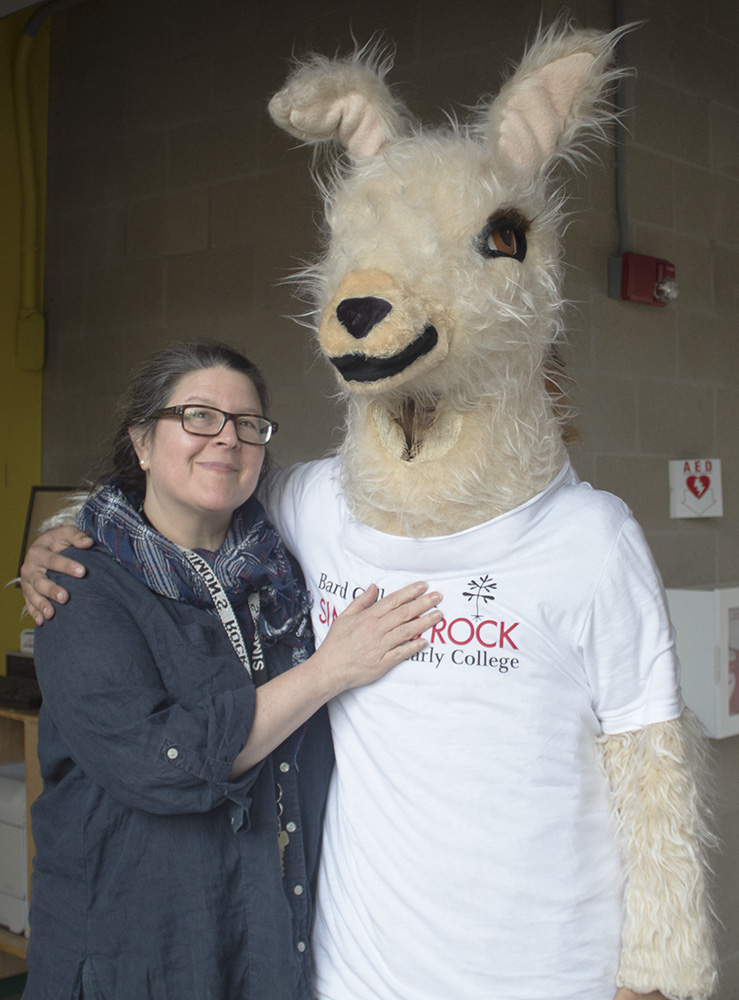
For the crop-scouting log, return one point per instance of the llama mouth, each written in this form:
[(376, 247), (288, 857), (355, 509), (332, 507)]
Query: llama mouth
[(366, 368), (411, 431), (415, 422)]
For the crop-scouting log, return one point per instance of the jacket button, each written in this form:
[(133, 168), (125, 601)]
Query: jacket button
[(173, 753)]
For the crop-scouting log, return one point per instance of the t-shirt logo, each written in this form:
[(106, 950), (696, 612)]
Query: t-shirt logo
[(479, 592)]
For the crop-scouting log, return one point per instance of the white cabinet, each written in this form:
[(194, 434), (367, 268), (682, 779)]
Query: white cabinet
[(18, 740), (706, 621), (13, 863)]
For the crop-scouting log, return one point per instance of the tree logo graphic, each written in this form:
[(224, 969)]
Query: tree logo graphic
[(480, 592)]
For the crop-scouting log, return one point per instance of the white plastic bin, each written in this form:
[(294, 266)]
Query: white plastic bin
[(706, 621)]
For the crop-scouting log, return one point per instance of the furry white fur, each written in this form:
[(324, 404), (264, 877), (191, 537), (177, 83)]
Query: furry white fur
[(438, 301), (659, 778)]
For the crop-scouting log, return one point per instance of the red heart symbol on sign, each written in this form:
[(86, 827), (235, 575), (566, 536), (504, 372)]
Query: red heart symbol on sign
[(698, 485)]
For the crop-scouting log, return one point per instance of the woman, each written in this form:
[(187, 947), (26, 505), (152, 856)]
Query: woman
[(185, 753)]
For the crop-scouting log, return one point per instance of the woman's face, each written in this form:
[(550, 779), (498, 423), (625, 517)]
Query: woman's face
[(200, 481)]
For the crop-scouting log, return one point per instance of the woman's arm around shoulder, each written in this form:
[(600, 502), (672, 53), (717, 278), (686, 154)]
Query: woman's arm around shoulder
[(43, 556)]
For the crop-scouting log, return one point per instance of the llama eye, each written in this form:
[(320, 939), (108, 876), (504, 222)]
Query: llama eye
[(502, 236), (504, 240)]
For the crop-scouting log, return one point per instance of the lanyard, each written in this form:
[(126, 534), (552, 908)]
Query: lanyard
[(233, 631), (228, 617)]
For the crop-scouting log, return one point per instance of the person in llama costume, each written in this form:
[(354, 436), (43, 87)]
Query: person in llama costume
[(515, 812), (474, 847)]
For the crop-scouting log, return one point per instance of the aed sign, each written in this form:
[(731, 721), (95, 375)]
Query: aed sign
[(695, 488)]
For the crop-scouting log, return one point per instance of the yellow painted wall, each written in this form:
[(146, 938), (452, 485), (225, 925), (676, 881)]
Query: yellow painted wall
[(20, 391)]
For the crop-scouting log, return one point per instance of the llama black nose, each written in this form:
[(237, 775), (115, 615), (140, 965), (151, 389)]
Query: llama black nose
[(359, 316)]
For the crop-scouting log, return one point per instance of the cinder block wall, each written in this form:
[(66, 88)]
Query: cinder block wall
[(175, 208)]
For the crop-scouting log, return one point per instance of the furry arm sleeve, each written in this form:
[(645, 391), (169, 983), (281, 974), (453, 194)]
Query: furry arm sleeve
[(657, 776)]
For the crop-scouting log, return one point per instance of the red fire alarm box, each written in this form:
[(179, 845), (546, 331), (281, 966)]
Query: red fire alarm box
[(647, 279)]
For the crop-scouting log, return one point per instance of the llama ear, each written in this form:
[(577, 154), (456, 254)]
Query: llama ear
[(555, 98), (341, 99)]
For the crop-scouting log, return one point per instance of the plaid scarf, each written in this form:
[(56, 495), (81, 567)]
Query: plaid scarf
[(251, 558)]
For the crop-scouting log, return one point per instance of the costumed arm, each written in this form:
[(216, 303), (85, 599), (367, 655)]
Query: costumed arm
[(657, 777), (654, 756)]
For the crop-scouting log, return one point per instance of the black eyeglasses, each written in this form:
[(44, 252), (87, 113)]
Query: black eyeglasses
[(209, 421)]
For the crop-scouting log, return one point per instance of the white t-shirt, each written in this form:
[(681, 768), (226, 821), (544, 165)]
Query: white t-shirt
[(469, 848)]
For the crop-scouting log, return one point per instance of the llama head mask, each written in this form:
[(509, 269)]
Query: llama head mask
[(438, 298)]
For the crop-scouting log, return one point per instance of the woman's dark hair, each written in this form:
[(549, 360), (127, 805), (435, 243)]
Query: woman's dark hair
[(150, 389)]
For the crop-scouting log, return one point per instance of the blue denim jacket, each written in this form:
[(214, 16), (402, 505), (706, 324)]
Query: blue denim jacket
[(155, 876)]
